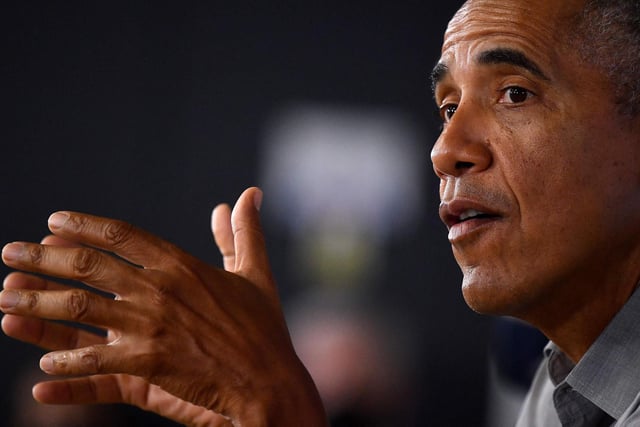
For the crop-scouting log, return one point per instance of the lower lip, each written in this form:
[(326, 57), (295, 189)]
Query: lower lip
[(466, 229)]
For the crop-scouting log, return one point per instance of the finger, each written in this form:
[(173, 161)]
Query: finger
[(126, 389), (84, 264), (20, 280), (77, 391), (100, 359), (84, 361), (54, 240), (74, 305), (251, 258), (223, 235), (129, 242), (48, 335)]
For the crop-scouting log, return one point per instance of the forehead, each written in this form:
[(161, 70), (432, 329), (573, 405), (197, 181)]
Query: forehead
[(536, 28)]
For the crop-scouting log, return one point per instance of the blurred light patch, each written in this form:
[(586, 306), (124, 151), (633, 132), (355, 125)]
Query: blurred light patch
[(341, 181), (339, 165)]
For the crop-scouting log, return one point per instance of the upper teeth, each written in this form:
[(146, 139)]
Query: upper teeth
[(469, 214)]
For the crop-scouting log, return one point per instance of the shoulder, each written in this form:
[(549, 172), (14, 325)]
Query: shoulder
[(631, 417)]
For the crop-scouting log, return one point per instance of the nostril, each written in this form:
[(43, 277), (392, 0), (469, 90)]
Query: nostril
[(463, 165)]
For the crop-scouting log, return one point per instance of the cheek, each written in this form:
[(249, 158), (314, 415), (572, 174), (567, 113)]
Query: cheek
[(566, 202), (544, 163), (548, 198), (552, 189)]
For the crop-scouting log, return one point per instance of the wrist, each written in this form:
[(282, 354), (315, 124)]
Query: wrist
[(291, 400)]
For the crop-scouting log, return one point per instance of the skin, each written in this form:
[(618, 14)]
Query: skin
[(233, 367), (540, 146), (531, 139)]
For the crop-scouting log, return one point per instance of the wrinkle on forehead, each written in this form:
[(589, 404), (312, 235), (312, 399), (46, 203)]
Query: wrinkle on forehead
[(538, 24)]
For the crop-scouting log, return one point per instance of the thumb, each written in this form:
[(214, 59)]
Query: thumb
[(223, 235), (251, 260)]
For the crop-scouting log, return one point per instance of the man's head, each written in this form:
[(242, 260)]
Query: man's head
[(539, 156)]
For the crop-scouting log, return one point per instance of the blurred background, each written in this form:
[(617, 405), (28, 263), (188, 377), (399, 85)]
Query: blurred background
[(154, 112)]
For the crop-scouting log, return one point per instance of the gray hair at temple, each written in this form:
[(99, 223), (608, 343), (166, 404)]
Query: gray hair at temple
[(607, 35)]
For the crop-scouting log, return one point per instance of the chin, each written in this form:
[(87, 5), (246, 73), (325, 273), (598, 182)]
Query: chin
[(481, 305), (490, 296)]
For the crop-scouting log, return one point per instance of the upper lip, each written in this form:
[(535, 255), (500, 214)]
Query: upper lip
[(457, 210)]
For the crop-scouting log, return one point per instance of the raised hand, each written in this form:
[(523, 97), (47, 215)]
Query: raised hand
[(183, 337)]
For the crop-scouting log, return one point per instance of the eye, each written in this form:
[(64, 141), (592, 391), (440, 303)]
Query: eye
[(515, 95), (447, 111)]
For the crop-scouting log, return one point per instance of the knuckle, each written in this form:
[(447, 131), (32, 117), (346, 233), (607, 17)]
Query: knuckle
[(161, 295), (89, 361), (31, 300), (78, 304), (155, 329), (36, 254), (118, 233), (75, 223), (86, 263), (61, 362)]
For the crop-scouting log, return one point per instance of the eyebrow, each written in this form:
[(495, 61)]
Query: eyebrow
[(496, 56), (439, 72), (510, 57)]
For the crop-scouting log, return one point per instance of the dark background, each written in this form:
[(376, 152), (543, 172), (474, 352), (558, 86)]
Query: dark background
[(152, 112)]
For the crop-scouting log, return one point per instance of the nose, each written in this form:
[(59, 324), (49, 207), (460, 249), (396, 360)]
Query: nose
[(463, 145)]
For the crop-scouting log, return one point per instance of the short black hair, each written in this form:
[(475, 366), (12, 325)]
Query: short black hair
[(606, 34)]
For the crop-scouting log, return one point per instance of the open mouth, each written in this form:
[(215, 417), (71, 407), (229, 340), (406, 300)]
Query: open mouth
[(473, 214), (467, 221), (466, 215)]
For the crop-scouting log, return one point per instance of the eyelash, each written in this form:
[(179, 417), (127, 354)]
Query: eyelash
[(519, 89), (447, 111)]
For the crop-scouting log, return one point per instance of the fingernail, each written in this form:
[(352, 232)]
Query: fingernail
[(57, 220), (12, 252), (46, 363), (9, 299), (257, 199)]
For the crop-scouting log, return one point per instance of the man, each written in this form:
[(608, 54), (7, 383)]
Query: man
[(539, 159), (539, 162)]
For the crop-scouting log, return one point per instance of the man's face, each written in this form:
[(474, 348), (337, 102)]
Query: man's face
[(539, 173)]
